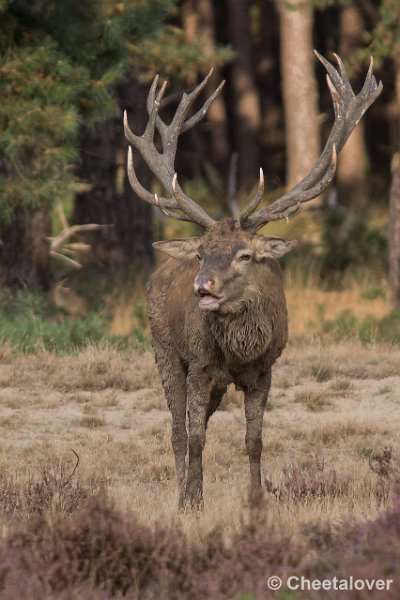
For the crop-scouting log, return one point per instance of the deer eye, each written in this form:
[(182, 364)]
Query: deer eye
[(198, 256), (245, 257)]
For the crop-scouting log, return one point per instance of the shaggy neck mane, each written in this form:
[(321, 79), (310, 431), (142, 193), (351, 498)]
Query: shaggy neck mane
[(243, 336)]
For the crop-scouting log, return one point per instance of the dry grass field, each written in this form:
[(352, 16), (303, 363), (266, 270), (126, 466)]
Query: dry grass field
[(331, 465), (330, 408), (333, 411)]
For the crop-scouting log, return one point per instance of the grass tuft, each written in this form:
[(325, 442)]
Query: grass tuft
[(31, 324)]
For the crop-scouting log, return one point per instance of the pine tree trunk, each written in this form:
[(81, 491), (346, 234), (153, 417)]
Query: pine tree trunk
[(351, 171), (299, 90), (199, 20), (110, 199), (247, 115), (25, 251), (98, 169), (272, 134), (133, 219), (394, 212)]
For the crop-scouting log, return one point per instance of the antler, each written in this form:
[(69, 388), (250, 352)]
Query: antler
[(69, 252), (349, 108), (179, 205)]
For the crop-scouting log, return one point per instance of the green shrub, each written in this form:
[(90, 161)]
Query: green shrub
[(368, 329), (29, 323), (350, 241)]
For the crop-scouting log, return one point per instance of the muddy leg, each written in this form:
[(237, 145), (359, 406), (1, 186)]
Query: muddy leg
[(255, 402), (174, 382), (198, 387)]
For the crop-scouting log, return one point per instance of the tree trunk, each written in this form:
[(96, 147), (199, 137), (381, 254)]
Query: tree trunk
[(299, 90), (200, 22), (24, 252), (133, 219), (394, 211), (352, 165), (110, 199), (247, 115), (97, 204), (272, 134)]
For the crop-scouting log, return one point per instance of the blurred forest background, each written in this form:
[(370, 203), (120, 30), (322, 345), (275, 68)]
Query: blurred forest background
[(68, 70)]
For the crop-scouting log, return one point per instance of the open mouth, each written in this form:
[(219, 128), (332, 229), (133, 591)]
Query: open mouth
[(208, 300)]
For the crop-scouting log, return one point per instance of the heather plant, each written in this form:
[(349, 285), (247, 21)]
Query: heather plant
[(311, 480), (101, 552), (300, 483), (118, 554), (370, 550), (57, 490)]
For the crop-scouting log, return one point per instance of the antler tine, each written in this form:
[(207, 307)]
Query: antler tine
[(178, 122), (130, 136), (188, 99), (202, 111), (255, 202), (171, 213), (152, 94), (154, 199), (349, 108), (342, 68), (150, 154), (153, 104), (162, 164), (371, 86), (337, 104), (140, 190), (337, 79), (58, 243), (285, 207), (190, 208), (153, 114)]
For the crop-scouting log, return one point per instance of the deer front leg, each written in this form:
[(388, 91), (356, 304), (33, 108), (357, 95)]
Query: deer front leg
[(174, 383), (255, 402), (198, 389)]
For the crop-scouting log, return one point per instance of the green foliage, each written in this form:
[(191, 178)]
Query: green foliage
[(372, 292), (384, 40), (174, 60), (30, 324), (323, 4), (59, 64), (350, 241), (38, 126), (368, 329)]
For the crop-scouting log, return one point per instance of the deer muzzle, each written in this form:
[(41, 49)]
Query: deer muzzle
[(206, 288)]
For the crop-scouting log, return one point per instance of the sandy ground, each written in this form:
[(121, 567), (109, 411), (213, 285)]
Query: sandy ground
[(331, 407)]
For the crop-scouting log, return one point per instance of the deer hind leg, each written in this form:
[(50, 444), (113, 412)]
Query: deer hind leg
[(255, 402), (215, 401), (173, 379)]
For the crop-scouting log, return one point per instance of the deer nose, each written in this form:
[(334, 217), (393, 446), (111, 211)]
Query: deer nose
[(203, 283)]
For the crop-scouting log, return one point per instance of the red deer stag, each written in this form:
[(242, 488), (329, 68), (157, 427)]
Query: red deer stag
[(217, 307)]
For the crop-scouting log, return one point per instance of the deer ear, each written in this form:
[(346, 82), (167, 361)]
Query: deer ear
[(271, 247), (179, 248)]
